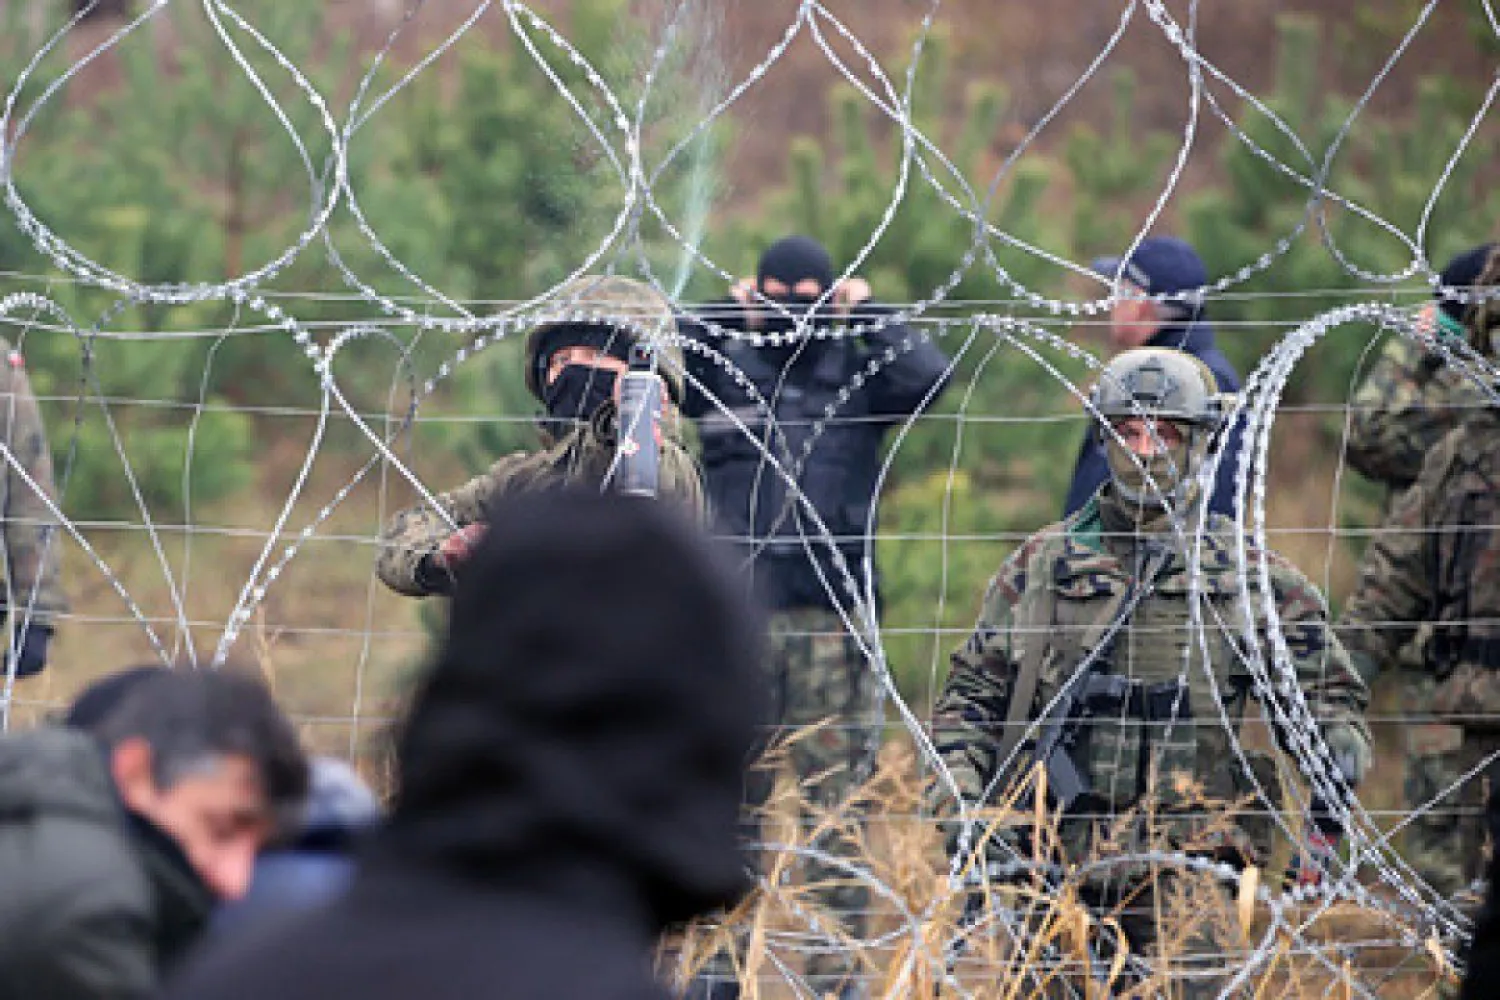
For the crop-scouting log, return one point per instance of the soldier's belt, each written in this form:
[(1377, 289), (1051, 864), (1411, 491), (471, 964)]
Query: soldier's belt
[(1111, 694)]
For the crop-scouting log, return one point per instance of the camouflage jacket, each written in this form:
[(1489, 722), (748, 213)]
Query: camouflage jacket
[(583, 456), (1161, 748), (1432, 574), (1409, 400), (33, 542)]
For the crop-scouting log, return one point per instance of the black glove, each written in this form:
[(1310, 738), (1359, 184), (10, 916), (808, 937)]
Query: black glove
[(31, 651), (1322, 832)]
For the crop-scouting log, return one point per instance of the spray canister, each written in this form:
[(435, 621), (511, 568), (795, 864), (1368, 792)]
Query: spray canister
[(638, 465)]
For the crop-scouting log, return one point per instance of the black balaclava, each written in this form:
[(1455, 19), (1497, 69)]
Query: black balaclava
[(575, 396), (579, 390), (794, 259), (790, 260)]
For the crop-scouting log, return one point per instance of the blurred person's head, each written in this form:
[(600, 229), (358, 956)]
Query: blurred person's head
[(1160, 285), (591, 711), (207, 758), (794, 272)]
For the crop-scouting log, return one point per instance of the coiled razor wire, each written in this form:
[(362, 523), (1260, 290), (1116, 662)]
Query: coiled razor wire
[(616, 124)]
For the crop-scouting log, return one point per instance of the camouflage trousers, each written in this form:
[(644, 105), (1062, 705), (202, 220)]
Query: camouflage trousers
[(1180, 927), (827, 719), (1444, 843), (827, 707), (1158, 933)]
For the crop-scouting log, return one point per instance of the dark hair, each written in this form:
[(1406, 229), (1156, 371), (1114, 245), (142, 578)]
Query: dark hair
[(190, 716), (104, 694)]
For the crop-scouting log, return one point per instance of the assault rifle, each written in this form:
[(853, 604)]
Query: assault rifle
[(1065, 723)]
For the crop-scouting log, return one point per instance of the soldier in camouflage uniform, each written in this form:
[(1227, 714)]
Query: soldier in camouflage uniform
[(571, 367), (1429, 590), (1411, 398), (33, 596), (1084, 648)]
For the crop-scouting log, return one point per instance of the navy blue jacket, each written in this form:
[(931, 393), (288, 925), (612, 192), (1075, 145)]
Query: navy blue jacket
[(1092, 469), (288, 882), (749, 498)]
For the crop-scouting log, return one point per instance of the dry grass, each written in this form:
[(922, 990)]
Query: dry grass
[(338, 648), (1030, 936)]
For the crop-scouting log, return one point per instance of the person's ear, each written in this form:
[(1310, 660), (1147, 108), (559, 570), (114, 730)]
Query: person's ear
[(130, 766)]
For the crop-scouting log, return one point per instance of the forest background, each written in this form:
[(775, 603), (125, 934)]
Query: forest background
[(162, 163)]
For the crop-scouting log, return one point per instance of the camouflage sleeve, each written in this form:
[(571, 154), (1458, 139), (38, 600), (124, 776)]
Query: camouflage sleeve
[(416, 532), (968, 721), (1407, 403), (1334, 689), (1394, 593), (33, 542), (681, 482)]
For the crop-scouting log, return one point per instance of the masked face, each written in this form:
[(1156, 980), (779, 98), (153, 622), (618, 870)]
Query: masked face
[(794, 307), (575, 395), (1156, 463)]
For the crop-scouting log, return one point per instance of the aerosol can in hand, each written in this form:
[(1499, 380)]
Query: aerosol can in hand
[(638, 462)]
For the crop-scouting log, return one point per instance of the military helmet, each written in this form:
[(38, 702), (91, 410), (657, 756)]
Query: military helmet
[(1161, 383), (613, 314)]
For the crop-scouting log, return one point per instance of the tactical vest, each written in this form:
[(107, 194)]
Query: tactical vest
[(1463, 641), (1154, 721), (1467, 570), (751, 499)]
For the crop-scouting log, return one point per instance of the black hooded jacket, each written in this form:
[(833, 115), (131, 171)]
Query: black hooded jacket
[(570, 777), (831, 402)]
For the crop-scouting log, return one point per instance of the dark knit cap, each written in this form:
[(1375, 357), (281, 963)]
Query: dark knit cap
[(1461, 273), (1164, 266)]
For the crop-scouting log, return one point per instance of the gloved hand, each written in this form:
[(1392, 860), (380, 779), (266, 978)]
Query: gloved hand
[(1350, 749), (1311, 865), (457, 546), (31, 651), (435, 571)]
